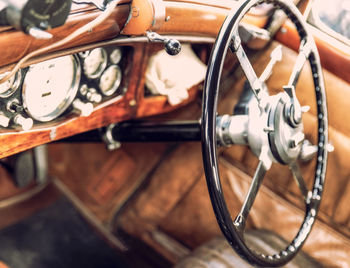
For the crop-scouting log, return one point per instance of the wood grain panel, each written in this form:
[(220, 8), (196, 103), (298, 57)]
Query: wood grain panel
[(205, 19), (16, 44)]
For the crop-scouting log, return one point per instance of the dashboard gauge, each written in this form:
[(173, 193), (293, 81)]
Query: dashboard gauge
[(11, 85), (110, 80), (116, 55), (50, 87), (95, 62)]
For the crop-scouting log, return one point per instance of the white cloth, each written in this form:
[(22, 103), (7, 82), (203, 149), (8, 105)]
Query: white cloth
[(172, 76)]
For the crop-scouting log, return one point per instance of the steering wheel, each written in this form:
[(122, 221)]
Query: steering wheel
[(273, 129)]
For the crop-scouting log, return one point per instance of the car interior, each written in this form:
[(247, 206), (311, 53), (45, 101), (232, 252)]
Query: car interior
[(174, 133)]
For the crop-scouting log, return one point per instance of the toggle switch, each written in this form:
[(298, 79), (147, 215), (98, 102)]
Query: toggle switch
[(23, 122), (84, 109)]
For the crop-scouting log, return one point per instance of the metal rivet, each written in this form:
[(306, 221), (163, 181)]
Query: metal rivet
[(283, 30), (132, 103)]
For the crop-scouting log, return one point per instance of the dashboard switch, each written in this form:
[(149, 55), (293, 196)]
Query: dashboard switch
[(172, 46), (84, 109), (25, 123)]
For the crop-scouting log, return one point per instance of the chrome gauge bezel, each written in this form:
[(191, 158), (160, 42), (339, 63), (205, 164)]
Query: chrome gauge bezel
[(103, 63), (17, 78), (116, 83), (66, 102)]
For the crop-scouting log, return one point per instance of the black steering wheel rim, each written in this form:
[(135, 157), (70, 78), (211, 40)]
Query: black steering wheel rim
[(209, 145)]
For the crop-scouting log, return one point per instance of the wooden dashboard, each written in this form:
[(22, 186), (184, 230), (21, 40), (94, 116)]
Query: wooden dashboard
[(189, 21)]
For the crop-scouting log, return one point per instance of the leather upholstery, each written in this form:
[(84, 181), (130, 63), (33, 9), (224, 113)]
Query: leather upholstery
[(217, 253), (176, 199)]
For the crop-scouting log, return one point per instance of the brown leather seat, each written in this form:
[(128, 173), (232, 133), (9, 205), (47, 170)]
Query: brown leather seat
[(217, 253)]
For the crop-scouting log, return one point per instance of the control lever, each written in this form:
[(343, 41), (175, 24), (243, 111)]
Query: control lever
[(34, 16), (172, 46), (83, 108), (16, 109), (24, 122)]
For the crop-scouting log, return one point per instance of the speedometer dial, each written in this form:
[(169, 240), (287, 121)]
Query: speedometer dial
[(50, 87)]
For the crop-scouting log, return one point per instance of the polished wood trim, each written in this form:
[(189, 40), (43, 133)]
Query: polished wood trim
[(196, 19), (15, 44), (118, 41), (185, 18), (159, 14), (225, 4), (16, 141), (140, 18)]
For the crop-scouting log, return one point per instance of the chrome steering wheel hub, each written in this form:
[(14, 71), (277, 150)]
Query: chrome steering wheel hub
[(285, 138), (272, 132)]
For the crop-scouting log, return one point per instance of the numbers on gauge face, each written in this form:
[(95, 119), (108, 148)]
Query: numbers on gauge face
[(95, 62), (110, 80), (8, 87), (50, 87)]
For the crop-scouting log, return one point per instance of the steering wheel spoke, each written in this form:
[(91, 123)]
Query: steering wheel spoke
[(298, 177), (303, 56), (251, 195), (276, 56), (255, 83)]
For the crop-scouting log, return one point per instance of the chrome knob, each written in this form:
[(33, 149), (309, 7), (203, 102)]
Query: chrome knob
[(172, 46), (93, 96), (84, 109), (25, 123)]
